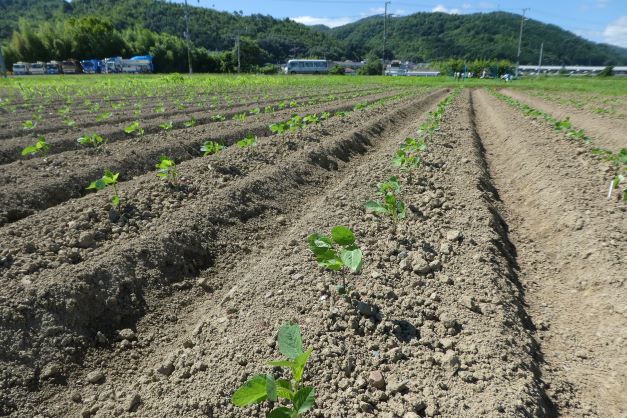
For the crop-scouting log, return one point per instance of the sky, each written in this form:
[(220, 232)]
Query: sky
[(597, 20)]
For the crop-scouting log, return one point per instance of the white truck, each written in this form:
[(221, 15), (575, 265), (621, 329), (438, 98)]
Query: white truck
[(21, 68), (38, 68)]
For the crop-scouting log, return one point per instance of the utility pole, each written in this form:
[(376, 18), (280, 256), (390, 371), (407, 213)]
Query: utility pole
[(522, 23), (187, 37), (385, 20), (540, 62), (3, 68)]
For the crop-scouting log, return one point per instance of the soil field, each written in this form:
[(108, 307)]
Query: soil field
[(608, 131), (499, 293)]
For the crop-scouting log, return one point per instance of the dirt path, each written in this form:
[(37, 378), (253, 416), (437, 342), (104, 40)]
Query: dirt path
[(607, 132), (570, 244)]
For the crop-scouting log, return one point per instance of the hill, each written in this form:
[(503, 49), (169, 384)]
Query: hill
[(436, 36), (417, 37)]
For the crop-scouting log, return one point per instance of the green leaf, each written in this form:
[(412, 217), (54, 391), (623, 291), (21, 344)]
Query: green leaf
[(400, 210), (282, 412), (319, 243), (253, 391), (284, 389), (115, 200), (304, 399), (98, 184), (29, 150), (281, 363), (376, 207), (328, 258), (290, 341), (299, 365), (351, 257), (342, 235), (271, 388)]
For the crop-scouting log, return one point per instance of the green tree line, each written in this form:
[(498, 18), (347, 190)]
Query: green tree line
[(95, 37)]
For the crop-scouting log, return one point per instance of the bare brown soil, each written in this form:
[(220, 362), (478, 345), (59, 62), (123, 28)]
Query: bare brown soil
[(606, 131), (571, 249), (498, 296), (62, 138), (40, 183)]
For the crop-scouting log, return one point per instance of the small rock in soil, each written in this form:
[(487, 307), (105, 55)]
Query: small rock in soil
[(95, 377), (376, 380), (133, 402), (453, 235), (127, 334)]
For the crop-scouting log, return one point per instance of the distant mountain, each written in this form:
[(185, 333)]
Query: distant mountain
[(417, 37), (436, 36)]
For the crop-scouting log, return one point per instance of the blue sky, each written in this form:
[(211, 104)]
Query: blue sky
[(598, 20)]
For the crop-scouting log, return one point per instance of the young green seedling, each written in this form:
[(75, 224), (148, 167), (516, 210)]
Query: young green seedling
[(249, 141), (134, 128), (94, 141), (29, 125), (563, 125), (160, 108), (405, 160), (69, 122), (337, 252), (255, 111), (279, 127), (167, 170), (211, 147), (166, 126), (103, 116), (190, 123), (264, 387), (241, 117), (40, 147), (217, 118), (108, 179), (391, 205)]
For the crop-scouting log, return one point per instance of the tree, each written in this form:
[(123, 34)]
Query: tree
[(373, 66), (337, 70), (607, 71)]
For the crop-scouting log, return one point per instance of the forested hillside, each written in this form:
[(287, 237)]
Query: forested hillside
[(435, 36), (48, 29)]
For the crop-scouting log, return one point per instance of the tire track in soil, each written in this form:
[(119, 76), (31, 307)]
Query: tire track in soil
[(225, 335), (606, 132), (186, 248), (570, 244)]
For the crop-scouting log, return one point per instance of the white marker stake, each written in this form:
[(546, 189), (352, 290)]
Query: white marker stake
[(609, 193)]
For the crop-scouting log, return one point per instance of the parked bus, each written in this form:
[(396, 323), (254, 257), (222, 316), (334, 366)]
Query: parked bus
[(307, 67), (21, 68), (38, 68)]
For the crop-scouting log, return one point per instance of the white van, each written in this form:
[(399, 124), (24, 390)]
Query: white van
[(307, 67)]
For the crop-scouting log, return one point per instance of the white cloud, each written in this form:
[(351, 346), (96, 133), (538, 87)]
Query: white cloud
[(381, 10), (441, 8), (327, 21), (601, 3), (466, 6), (616, 32)]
